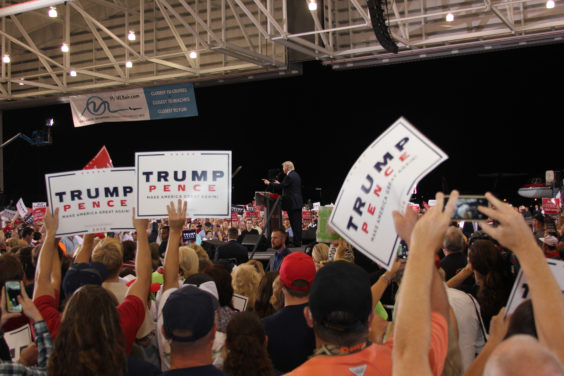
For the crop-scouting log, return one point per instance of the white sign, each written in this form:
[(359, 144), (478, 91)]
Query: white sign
[(8, 214), (90, 201), (520, 291), (240, 302), (381, 181), (203, 178), (22, 209), (17, 340)]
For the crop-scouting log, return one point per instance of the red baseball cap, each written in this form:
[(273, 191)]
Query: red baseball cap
[(297, 266)]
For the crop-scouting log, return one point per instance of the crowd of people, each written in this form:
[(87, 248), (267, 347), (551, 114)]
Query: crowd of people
[(148, 302)]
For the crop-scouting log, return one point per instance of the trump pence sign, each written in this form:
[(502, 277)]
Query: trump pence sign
[(202, 178)]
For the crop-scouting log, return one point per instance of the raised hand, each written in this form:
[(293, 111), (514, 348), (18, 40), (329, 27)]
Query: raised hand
[(430, 229), (512, 231), (51, 221), (176, 215)]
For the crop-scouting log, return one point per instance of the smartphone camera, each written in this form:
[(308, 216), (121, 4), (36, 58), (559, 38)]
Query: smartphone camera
[(402, 250), (12, 291), (467, 208)]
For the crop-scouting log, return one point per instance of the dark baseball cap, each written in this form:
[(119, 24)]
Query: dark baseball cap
[(78, 275), (189, 309), (340, 297)]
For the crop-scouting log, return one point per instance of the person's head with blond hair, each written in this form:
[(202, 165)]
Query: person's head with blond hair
[(200, 251), (288, 166), (188, 261), (245, 280), (320, 254), (110, 253), (258, 266)]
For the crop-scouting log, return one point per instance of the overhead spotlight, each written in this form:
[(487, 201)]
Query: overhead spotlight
[(128, 64), (21, 83), (449, 17), (72, 73), (312, 5), (6, 59), (131, 35), (550, 4), (193, 54), (53, 12), (65, 47)]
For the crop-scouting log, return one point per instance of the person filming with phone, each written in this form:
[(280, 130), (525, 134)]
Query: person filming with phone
[(15, 302)]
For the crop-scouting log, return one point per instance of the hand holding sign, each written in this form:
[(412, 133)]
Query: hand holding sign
[(512, 231), (140, 224), (51, 221)]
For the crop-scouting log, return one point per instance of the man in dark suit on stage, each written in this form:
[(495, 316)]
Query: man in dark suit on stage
[(292, 200)]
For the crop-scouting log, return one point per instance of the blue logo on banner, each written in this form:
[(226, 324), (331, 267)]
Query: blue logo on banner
[(97, 106)]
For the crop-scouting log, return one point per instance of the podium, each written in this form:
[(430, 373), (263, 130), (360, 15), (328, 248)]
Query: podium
[(272, 210)]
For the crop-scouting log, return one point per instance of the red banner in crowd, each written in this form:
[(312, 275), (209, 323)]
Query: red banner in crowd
[(251, 214), (101, 160), (551, 206), (234, 217), (39, 210), (306, 215)]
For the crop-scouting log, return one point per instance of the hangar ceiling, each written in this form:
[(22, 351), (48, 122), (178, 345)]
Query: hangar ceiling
[(215, 41)]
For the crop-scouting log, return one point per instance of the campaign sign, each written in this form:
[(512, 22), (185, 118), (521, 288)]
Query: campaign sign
[(306, 215), (22, 209), (203, 178), (325, 232), (189, 235), (238, 209), (381, 181), (17, 340), (234, 217), (551, 206), (91, 201), (249, 214), (8, 214), (39, 209), (520, 291)]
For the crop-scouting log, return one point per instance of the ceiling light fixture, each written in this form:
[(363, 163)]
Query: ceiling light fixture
[(128, 64), (6, 59), (550, 4), (131, 35), (312, 5), (72, 73), (65, 47), (449, 17), (193, 54), (53, 12)]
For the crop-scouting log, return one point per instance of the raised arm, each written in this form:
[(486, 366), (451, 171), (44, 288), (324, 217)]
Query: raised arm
[(548, 305), (412, 331), (176, 219), (143, 267), (85, 251), (48, 252)]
